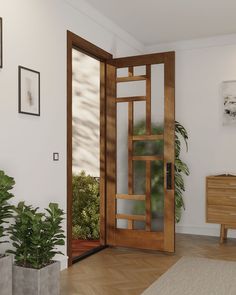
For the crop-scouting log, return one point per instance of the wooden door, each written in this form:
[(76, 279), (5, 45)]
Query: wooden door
[(149, 174)]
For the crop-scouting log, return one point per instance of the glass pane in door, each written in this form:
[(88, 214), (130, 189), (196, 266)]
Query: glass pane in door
[(146, 174)]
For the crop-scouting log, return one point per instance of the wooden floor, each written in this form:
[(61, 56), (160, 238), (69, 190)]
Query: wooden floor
[(129, 272)]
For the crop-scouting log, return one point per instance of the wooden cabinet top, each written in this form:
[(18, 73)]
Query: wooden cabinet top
[(222, 176)]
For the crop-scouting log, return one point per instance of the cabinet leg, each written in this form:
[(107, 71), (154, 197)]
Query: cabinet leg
[(223, 233)]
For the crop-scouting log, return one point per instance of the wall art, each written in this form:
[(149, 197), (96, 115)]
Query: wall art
[(29, 91), (229, 102)]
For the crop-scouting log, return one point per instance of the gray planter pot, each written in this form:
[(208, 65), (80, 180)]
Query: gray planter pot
[(6, 275), (44, 281)]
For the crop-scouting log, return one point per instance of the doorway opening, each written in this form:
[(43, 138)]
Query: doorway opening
[(86, 165), (85, 153), (120, 150)]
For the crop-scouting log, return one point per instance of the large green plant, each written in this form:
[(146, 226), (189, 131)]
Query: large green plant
[(157, 183), (36, 235), (181, 169), (6, 184), (85, 209)]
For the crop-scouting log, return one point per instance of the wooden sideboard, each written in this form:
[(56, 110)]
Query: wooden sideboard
[(221, 202)]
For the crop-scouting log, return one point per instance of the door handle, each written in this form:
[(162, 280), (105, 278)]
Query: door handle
[(169, 176)]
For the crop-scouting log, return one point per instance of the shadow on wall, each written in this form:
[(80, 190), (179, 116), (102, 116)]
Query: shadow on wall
[(86, 114)]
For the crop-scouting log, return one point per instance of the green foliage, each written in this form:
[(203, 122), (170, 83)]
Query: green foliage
[(36, 235), (181, 169), (85, 209), (6, 184)]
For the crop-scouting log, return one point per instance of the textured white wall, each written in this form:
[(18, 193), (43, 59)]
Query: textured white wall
[(85, 114), (35, 37)]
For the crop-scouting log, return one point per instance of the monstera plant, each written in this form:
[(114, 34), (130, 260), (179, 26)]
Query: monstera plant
[(181, 169)]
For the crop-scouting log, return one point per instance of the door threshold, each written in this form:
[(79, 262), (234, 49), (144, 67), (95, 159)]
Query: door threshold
[(88, 253)]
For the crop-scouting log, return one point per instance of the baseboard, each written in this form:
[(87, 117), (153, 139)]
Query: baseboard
[(63, 260), (213, 230)]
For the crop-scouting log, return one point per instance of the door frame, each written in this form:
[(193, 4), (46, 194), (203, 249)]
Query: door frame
[(163, 241), (74, 41)]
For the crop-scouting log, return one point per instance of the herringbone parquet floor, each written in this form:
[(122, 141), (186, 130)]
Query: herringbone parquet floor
[(116, 271)]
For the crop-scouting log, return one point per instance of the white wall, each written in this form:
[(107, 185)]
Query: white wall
[(201, 66), (35, 37)]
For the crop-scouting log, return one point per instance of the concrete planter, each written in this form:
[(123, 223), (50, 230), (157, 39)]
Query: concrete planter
[(44, 281), (6, 275)]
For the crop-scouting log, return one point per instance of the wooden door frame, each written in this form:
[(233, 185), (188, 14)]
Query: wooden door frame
[(125, 237), (74, 41)]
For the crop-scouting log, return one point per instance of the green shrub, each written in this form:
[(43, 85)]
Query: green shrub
[(36, 235), (85, 209), (6, 184)]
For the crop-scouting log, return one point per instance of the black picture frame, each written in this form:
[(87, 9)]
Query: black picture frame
[(1, 40), (29, 91)]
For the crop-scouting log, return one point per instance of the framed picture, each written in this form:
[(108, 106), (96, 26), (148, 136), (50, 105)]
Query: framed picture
[(229, 102), (29, 91), (0, 42)]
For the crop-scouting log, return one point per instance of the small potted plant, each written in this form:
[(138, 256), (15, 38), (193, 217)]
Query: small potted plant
[(35, 237), (6, 184)]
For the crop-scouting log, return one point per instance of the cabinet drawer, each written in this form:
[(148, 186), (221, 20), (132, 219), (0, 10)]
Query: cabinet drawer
[(226, 183), (220, 196), (221, 214)]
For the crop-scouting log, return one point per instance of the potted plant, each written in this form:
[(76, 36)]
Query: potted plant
[(35, 237), (6, 184)]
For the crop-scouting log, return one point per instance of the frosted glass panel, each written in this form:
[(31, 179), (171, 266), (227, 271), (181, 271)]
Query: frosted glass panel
[(142, 146), (149, 148), (122, 150), (122, 72), (141, 70), (130, 207), (122, 223), (157, 98), (135, 88), (139, 172), (139, 117), (139, 225), (157, 196)]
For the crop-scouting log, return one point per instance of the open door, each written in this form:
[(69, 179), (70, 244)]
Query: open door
[(140, 152)]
